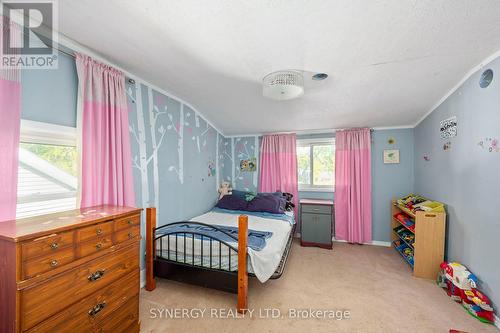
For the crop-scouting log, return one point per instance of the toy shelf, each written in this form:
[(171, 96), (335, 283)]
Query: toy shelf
[(428, 246), (398, 222), (405, 242), (396, 247)]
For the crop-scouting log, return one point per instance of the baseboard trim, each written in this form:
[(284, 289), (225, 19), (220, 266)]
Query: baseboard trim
[(375, 243), (143, 278)]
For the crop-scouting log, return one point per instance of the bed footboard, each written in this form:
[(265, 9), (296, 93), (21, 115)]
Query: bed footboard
[(152, 255)]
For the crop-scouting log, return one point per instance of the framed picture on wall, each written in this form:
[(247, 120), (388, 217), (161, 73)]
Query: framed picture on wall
[(391, 156)]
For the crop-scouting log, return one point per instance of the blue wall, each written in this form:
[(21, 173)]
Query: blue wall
[(466, 177), (390, 180), (185, 166), (50, 96)]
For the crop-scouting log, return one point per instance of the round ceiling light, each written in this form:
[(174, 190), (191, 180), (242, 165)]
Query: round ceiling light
[(319, 76), (283, 85)]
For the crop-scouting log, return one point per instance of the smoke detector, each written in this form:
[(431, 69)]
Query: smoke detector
[(283, 85)]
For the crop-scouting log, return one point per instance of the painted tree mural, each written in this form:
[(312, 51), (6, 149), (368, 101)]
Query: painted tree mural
[(245, 148)]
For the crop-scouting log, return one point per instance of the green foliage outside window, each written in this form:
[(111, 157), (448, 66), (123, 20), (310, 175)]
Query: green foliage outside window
[(63, 157)]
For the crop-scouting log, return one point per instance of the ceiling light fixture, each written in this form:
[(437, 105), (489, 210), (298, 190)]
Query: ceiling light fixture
[(283, 85)]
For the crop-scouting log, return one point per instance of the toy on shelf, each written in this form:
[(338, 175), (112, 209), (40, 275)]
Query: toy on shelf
[(406, 221), (461, 286), (415, 202)]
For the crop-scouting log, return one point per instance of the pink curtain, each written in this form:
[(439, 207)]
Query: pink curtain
[(106, 155), (353, 196), (278, 165), (10, 114)]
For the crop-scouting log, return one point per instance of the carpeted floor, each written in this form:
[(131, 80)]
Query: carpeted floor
[(372, 283)]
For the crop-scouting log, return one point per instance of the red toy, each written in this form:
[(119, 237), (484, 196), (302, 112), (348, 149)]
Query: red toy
[(460, 285)]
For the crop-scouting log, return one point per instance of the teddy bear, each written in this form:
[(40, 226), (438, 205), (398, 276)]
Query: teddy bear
[(225, 189)]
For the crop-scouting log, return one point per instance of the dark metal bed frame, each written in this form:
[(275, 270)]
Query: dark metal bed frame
[(188, 270)]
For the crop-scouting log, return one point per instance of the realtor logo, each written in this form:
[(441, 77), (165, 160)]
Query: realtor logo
[(28, 34)]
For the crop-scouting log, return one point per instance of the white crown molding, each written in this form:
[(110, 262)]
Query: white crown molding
[(319, 131), (471, 72)]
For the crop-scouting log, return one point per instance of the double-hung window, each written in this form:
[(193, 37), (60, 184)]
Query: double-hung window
[(48, 169), (316, 164)]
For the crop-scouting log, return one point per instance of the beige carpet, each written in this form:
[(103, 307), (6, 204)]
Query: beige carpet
[(372, 283)]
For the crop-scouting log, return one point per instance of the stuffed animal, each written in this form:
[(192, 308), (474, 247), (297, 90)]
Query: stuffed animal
[(225, 189), (289, 204)]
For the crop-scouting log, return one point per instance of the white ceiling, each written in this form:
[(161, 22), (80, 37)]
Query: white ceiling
[(389, 61)]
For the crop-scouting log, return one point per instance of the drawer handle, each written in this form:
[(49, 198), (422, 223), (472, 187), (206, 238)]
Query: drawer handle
[(54, 246), (54, 263), (130, 222), (98, 231), (98, 246), (96, 276), (96, 309)]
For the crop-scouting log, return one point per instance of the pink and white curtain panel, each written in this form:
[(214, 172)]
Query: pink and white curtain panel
[(106, 156), (353, 194), (10, 117), (278, 165)]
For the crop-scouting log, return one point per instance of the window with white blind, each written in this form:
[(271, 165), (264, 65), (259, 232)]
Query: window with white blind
[(48, 167)]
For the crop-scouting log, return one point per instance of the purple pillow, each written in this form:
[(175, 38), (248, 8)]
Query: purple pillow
[(267, 202), (232, 202)]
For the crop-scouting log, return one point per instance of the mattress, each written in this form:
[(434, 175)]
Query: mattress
[(195, 251)]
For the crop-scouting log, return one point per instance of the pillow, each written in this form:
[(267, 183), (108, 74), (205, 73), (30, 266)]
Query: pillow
[(240, 194), (267, 202), (232, 202)]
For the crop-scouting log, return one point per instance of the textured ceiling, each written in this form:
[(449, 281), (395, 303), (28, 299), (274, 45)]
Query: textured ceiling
[(389, 61)]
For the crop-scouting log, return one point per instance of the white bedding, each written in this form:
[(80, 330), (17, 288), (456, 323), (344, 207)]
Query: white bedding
[(263, 263)]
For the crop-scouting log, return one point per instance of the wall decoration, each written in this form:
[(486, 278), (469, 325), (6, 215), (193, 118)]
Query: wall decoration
[(211, 169), (447, 146), (489, 144), (245, 148), (391, 156), (248, 165), (391, 141), (448, 128)]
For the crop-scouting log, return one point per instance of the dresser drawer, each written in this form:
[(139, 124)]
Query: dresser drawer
[(52, 296), (46, 245), (93, 246), (85, 315), (127, 222), (316, 209), (48, 262), (125, 319), (94, 231), (126, 234)]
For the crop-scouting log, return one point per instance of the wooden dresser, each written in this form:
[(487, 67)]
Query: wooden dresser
[(75, 271)]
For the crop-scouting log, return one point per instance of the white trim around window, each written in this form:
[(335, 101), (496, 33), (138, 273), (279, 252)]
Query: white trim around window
[(45, 133)]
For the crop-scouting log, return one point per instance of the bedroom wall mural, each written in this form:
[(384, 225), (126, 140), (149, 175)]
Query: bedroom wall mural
[(174, 152), (239, 162)]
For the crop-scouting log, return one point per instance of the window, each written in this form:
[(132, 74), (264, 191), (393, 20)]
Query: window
[(48, 169), (316, 164)]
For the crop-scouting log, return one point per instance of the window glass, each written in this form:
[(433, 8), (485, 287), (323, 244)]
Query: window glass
[(316, 165), (47, 179)]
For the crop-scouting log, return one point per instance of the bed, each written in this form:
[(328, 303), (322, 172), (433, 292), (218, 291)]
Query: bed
[(219, 249)]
